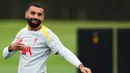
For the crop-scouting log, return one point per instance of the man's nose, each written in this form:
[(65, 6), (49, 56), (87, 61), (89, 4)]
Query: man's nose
[(36, 16)]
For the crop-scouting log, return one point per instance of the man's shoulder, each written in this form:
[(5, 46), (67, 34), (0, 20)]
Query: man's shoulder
[(20, 31), (45, 32)]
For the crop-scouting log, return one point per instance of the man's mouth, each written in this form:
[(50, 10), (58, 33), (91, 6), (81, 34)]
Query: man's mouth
[(34, 21)]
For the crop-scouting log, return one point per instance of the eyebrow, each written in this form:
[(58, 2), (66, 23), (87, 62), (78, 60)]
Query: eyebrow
[(38, 12)]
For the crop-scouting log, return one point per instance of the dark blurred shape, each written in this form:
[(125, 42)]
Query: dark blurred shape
[(71, 9), (96, 55), (123, 50)]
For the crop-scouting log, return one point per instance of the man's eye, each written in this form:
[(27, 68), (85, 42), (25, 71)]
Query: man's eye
[(33, 13), (39, 14)]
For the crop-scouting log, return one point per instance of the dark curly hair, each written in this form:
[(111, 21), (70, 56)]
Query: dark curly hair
[(36, 4)]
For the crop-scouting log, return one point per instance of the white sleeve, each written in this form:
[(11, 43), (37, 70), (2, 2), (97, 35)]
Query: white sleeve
[(7, 54), (69, 56), (57, 47)]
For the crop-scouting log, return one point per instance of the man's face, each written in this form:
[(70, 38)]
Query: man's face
[(34, 16)]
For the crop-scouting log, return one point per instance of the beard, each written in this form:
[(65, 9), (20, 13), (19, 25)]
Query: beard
[(33, 23)]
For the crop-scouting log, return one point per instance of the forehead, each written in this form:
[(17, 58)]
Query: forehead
[(36, 9)]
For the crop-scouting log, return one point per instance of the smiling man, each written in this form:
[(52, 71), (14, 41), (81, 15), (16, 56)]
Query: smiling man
[(35, 43)]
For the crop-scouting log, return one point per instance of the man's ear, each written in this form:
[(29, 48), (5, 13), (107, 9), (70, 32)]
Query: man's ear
[(43, 17), (26, 14)]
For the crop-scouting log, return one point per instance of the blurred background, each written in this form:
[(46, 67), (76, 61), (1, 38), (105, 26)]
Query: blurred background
[(66, 18), (71, 9)]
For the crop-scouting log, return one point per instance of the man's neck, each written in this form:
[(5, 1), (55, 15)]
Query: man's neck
[(35, 29)]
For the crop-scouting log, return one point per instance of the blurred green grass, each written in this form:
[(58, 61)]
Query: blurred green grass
[(65, 30)]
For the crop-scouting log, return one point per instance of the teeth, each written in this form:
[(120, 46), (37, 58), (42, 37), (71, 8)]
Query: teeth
[(34, 21)]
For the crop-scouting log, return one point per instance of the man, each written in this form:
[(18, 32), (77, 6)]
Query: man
[(35, 43)]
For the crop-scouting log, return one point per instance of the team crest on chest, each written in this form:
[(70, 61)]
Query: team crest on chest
[(35, 40)]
